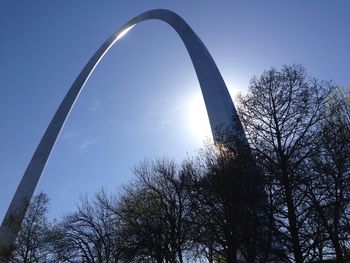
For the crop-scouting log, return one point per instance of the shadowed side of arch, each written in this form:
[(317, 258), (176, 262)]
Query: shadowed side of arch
[(220, 108)]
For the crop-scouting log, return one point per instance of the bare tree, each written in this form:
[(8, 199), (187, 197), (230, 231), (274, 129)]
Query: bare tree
[(33, 242), (143, 226), (329, 166), (88, 235), (228, 207), (279, 115), (164, 183)]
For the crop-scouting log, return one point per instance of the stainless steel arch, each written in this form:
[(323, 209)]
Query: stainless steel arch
[(220, 108)]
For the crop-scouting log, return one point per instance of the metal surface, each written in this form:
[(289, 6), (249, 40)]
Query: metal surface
[(220, 108)]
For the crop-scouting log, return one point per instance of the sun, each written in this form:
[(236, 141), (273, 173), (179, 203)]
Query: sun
[(198, 121)]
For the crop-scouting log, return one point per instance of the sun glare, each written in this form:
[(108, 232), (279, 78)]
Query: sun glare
[(123, 33), (198, 121)]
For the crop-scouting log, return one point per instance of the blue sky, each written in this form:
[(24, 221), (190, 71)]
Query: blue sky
[(142, 100)]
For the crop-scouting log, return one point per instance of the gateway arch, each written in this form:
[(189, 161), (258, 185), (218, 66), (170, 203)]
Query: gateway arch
[(219, 105)]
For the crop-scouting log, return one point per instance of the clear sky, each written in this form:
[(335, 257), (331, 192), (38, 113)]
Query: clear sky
[(143, 100)]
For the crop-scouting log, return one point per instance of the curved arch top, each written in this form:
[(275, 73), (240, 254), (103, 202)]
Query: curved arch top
[(220, 108)]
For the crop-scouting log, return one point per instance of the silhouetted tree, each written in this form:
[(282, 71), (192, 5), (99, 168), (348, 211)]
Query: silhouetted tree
[(144, 226), (88, 235), (280, 114), (152, 213), (228, 204), (33, 244), (329, 169)]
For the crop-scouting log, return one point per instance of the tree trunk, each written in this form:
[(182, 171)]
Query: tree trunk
[(337, 248), (292, 219)]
